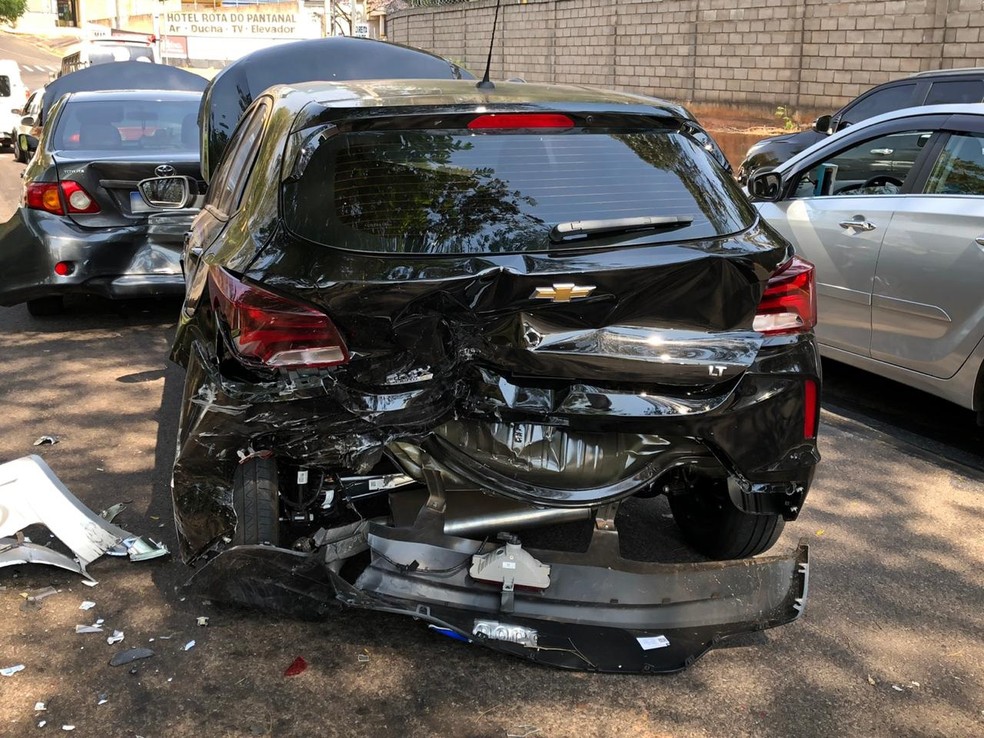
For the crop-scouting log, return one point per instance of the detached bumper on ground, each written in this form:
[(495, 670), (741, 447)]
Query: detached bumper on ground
[(597, 612)]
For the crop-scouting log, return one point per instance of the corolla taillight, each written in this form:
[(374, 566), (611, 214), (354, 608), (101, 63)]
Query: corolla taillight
[(789, 304), (269, 330), (48, 196)]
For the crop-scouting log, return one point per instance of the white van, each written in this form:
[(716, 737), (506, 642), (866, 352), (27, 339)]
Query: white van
[(105, 50), (13, 95)]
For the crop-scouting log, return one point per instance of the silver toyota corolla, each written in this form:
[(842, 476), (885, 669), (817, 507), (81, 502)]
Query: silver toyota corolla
[(891, 212)]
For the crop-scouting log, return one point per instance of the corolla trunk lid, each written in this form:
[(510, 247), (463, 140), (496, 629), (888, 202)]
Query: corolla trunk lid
[(112, 182)]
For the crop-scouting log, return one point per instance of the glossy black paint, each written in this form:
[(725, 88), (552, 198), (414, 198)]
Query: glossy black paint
[(773, 151), (128, 75), (332, 59)]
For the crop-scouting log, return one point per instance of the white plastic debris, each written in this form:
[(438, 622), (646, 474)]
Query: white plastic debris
[(68, 727), (11, 670), (42, 723), (94, 628), (46, 441), (102, 699), (87, 605), (117, 637), (89, 582), (188, 646), (202, 620), (40, 707)]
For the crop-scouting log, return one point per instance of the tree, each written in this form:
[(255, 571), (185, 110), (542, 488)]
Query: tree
[(11, 10)]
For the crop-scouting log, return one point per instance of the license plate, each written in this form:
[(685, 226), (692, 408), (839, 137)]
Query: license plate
[(137, 204)]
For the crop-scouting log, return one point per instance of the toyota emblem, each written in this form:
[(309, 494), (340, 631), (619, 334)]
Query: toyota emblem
[(165, 170)]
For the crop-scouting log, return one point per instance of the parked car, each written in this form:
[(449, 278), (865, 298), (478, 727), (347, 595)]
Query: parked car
[(423, 316), (82, 227), (898, 244), (925, 88), (106, 51), (26, 121), (13, 94)]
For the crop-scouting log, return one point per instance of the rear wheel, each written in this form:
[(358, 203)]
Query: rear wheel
[(713, 526), (18, 155), (256, 501), (46, 306)]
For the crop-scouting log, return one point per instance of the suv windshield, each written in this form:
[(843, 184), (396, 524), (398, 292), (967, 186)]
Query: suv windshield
[(145, 125), (461, 192)]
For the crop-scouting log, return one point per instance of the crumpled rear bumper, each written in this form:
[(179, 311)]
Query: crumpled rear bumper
[(138, 260), (599, 613)]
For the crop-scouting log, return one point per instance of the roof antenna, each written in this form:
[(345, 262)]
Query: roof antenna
[(486, 84)]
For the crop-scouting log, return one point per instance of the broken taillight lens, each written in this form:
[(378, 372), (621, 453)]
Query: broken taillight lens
[(789, 304), (269, 330)]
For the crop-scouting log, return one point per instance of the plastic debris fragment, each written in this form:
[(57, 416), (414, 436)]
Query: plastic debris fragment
[(117, 637), (203, 620), (11, 670), (87, 605), (42, 723), (40, 707), (188, 646), (68, 728), (297, 666), (130, 655), (102, 699), (110, 513), (94, 628), (46, 441), (89, 582)]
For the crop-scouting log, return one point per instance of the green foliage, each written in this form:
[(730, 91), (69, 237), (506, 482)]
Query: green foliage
[(787, 118), (11, 10)]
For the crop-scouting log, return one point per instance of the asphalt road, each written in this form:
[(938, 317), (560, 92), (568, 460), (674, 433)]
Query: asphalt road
[(35, 61), (892, 643)]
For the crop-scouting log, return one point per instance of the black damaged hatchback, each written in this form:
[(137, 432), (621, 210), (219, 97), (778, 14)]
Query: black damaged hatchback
[(425, 320)]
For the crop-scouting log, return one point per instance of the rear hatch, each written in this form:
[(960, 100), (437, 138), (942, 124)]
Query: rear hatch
[(536, 246), (109, 146)]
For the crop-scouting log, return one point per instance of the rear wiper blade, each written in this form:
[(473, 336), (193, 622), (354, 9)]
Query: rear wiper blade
[(586, 228)]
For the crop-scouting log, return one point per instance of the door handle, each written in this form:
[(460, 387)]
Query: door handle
[(883, 152), (980, 241), (858, 225)]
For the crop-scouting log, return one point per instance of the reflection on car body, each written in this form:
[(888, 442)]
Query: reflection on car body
[(422, 318), (82, 227), (899, 251)]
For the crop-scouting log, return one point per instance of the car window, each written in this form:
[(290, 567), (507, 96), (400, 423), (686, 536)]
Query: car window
[(878, 102), (877, 166), (960, 167), (4, 86), (956, 91), (226, 187), (444, 191), (126, 125)]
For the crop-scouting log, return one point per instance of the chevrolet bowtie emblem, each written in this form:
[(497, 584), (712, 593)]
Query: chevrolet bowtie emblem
[(563, 292)]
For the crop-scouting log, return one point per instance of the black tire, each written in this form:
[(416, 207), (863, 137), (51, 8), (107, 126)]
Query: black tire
[(44, 307), (18, 155), (714, 527), (256, 501)]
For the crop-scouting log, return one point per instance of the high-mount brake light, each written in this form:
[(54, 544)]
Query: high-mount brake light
[(493, 121), (789, 304), (47, 196), (269, 330)]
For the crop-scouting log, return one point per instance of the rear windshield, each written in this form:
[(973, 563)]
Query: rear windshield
[(104, 54), (461, 192), (120, 125)]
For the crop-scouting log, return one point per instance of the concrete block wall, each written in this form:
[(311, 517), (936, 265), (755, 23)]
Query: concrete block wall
[(807, 54)]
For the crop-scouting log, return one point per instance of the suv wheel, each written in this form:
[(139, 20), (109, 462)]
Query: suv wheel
[(256, 501), (714, 527), (43, 307)]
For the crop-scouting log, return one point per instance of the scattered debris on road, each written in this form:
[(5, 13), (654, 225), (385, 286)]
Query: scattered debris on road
[(46, 441), (203, 620), (94, 628), (188, 646), (130, 655), (87, 605), (296, 667), (117, 637), (11, 670)]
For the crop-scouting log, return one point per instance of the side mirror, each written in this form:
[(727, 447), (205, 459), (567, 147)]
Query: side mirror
[(27, 143), (765, 184), (822, 124), (28, 120), (168, 193)]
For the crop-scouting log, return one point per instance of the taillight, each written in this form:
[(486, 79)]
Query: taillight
[(269, 330), (789, 304), (48, 196), (520, 120)]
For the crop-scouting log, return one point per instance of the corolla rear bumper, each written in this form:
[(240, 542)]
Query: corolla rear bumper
[(139, 260), (599, 612)]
